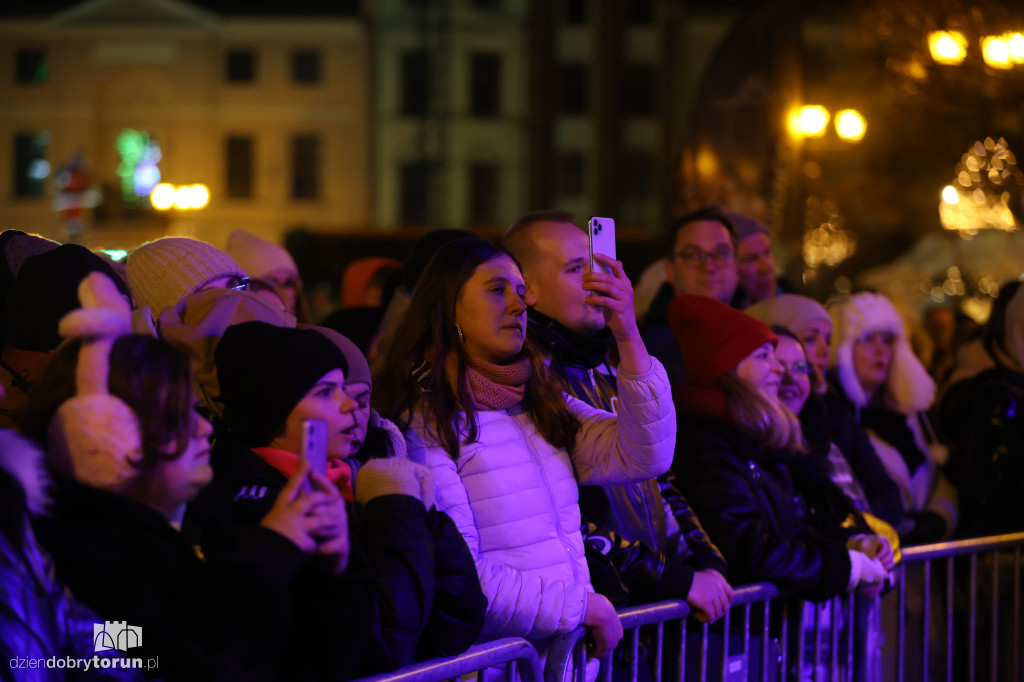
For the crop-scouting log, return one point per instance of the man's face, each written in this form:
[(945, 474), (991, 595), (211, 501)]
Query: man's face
[(554, 276), (702, 262), (756, 266)]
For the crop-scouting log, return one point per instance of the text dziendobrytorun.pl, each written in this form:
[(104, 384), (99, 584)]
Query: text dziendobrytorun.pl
[(84, 664)]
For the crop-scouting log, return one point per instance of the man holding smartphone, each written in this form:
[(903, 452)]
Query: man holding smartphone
[(645, 544)]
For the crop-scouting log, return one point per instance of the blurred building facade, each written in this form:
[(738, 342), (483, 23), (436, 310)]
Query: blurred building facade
[(271, 113)]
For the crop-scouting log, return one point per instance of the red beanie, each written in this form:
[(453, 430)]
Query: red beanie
[(713, 336)]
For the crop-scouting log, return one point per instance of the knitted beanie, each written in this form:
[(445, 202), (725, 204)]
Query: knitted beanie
[(909, 387), (791, 311), (745, 226), (45, 290), (164, 271), (358, 367), (264, 371), (713, 336), (258, 256)]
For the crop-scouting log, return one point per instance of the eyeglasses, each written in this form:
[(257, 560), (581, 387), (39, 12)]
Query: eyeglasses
[(877, 337), (798, 368), (694, 255), (239, 283)]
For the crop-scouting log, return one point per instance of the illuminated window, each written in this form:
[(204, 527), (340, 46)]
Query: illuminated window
[(31, 67), (30, 165), (306, 66), (239, 167), (305, 167), (240, 66)]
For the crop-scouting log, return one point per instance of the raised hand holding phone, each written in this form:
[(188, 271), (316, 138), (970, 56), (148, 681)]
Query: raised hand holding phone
[(601, 233), (314, 447)]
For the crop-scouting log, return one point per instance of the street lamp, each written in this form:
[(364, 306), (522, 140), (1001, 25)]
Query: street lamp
[(850, 125), (947, 47), (810, 120), (165, 196)]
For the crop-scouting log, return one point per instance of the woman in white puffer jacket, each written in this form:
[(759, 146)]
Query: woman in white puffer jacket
[(506, 447)]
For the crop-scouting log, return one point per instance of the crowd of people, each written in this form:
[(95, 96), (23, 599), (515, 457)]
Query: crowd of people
[(517, 444)]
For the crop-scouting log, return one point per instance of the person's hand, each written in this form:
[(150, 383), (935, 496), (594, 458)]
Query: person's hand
[(603, 622), (710, 595), (875, 546), (290, 516), (867, 575), (331, 516), (614, 295)]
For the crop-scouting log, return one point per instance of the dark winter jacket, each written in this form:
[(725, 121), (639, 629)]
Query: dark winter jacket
[(224, 618), (658, 337), (827, 419), (750, 506), (39, 618), (983, 419), (631, 553), (410, 590)]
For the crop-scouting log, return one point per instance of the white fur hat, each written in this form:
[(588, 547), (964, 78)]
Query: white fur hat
[(258, 256), (909, 388), (95, 436)]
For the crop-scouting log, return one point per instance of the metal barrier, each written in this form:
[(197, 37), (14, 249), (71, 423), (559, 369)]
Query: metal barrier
[(847, 638), (519, 658), (966, 567)]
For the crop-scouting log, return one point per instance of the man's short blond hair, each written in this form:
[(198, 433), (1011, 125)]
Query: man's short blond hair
[(517, 237)]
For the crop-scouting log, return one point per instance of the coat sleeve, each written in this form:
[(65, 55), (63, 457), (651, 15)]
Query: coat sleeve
[(635, 444), (518, 603)]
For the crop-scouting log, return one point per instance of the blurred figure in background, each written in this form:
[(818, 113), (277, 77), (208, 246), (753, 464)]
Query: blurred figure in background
[(272, 269)]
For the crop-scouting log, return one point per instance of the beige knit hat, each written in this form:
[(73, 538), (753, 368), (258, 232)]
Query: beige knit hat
[(164, 271), (258, 256)]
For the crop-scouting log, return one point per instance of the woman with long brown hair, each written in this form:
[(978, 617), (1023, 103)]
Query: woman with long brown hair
[(507, 448)]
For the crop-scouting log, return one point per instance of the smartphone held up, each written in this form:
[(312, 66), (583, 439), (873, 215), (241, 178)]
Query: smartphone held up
[(314, 446), (601, 232)]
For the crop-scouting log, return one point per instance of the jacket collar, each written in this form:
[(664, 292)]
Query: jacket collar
[(566, 346)]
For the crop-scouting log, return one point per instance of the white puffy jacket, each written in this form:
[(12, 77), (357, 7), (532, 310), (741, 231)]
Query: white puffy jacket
[(514, 497)]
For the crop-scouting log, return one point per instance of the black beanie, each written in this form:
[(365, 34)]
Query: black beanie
[(45, 290), (264, 371)]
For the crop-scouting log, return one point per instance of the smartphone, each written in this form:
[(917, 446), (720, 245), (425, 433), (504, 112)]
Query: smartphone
[(601, 232), (314, 447)]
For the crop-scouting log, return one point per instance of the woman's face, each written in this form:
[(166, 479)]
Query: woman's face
[(796, 378), (872, 358), (761, 371), (327, 400), (491, 311), (817, 338), (359, 391)]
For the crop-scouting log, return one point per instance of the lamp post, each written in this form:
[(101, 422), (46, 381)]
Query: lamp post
[(183, 198)]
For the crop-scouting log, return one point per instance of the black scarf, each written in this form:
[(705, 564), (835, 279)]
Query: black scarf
[(565, 346), (892, 427)]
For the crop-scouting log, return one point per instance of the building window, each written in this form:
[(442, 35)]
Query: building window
[(636, 174), (30, 165), (575, 11), (573, 89), (240, 66), (569, 170), (638, 90), (415, 83), (306, 66), (305, 167), (485, 83), (483, 194), (639, 12), (31, 67), (415, 193), (239, 167)]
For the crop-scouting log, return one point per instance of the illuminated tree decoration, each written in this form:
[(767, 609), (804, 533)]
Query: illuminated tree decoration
[(986, 184), (138, 169)]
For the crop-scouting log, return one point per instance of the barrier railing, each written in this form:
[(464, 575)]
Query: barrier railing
[(518, 657), (890, 638)]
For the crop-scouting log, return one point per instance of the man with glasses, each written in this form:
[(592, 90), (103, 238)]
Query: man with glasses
[(701, 261)]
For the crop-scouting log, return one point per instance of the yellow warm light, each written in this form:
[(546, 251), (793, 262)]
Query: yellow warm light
[(183, 197), (162, 196), (947, 47), (200, 196), (995, 50), (1016, 43), (850, 125), (810, 120), (950, 195)]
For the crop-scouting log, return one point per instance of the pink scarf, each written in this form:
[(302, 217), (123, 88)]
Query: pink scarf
[(491, 387), (338, 470)]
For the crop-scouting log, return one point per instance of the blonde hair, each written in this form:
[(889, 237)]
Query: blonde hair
[(768, 422)]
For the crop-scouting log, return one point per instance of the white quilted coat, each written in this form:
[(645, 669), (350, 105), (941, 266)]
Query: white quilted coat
[(514, 497)]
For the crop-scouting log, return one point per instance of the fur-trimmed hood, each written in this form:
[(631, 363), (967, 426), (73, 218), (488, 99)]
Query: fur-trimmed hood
[(909, 387), (23, 461)]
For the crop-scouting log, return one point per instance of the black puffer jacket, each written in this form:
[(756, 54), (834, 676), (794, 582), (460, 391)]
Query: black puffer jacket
[(749, 503)]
